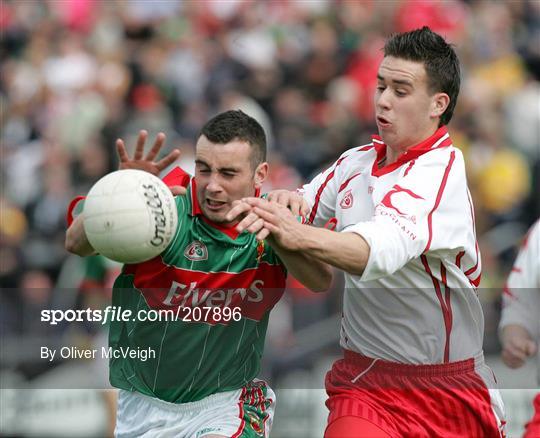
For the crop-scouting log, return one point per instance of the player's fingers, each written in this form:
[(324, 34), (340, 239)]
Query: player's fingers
[(283, 198), (268, 216), (304, 209), (121, 151), (238, 209), (531, 348), (510, 360), (178, 190), (516, 350), (263, 234), (254, 201), (169, 159), (295, 207), (256, 226), (158, 143), (141, 140), (271, 227), (247, 222)]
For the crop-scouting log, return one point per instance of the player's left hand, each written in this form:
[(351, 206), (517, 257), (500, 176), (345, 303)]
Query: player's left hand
[(268, 218), (147, 163)]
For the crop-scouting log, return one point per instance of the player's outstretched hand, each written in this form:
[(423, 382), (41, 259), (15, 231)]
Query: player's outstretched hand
[(292, 200), (268, 218), (517, 346), (148, 163)]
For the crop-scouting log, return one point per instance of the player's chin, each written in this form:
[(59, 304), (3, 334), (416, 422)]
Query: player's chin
[(218, 216)]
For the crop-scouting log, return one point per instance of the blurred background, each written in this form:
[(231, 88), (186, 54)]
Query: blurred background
[(77, 74)]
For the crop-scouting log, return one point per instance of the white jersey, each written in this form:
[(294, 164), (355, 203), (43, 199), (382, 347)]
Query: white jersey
[(416, 300), (521, 295)]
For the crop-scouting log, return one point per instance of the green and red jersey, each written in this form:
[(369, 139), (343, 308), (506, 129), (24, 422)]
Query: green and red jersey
[(205, 266)]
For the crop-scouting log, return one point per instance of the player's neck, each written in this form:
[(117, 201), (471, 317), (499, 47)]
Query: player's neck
[(394, 152)]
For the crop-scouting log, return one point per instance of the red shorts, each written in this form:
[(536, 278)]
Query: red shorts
[(532, 429), (447, 400)]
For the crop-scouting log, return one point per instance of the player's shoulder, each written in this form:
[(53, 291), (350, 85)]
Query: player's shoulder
[(357, 155), (445, 159), (532, 238)]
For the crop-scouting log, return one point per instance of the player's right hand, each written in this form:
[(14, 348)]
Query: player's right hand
[(517, 346), (147, 163), (292, 200)]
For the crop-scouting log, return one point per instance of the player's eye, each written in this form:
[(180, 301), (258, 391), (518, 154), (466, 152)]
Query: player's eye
[(380, 87), (400, 93)]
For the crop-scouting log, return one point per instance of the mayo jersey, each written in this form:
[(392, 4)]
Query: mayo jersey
[(416, 301), (220, 288), (521, 295)]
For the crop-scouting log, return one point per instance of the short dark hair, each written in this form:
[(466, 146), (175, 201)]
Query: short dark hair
[(439, 59), (237, 125)]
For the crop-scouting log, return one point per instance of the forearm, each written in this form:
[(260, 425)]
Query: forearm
[(76, 241), (346, 251), (312, 273)]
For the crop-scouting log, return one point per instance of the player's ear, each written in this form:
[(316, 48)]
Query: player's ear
[(439, 103), (261, 172)]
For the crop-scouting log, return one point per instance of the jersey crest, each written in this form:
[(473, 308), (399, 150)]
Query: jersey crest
[(196, 251), (347, 200)]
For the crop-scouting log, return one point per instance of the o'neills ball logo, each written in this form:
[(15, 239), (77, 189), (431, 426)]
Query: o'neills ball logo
[(155, 203), (196, 251)]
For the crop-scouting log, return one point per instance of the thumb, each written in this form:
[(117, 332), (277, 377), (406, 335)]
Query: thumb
[(531, 348), (178, 190)]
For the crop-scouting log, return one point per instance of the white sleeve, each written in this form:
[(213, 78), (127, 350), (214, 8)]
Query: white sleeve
[(424, 211), (521, 296), (321, 195)]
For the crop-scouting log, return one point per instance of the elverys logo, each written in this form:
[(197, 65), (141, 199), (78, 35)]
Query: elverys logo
[(196, 251)]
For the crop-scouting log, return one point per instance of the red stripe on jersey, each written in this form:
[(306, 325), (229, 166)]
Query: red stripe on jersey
[(468, 272), (447, 315), (471, 270), (438, 199), (240, 415), (411, 164), (321, 189), (459, 257), (448, 309), (346, 183), (365, 148), (516, 269), (254, 290)]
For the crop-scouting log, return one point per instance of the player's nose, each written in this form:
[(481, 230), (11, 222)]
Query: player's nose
[(382, 100)]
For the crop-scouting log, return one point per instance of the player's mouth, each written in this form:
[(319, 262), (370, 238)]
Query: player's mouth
[(215, 205), (383, 122)]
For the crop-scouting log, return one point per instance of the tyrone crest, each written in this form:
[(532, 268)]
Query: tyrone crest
[(196, 251), (347, 200)]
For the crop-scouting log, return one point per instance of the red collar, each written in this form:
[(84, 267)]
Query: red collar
[(439, 139), (229, 229)]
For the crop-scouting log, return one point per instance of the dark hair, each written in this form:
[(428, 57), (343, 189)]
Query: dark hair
[(439, 59), (237, 125)]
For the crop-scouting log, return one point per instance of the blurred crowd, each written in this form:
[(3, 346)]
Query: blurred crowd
[(77, 74)]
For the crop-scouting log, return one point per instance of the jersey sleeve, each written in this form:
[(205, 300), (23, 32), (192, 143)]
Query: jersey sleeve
[(521, 295), (321, 195), (422, 212), (183, 207)]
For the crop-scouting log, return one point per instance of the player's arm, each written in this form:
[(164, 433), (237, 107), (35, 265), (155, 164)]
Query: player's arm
[(312, 247), (519, 325), (76, 241), (311, 272)]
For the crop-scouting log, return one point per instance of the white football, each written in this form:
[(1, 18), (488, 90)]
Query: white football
[(130, 216)]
